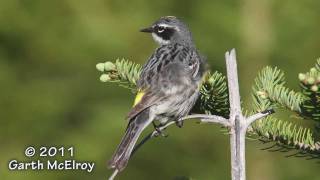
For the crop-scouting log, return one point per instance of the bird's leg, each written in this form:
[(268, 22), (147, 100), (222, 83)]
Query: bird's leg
[(159, 131)]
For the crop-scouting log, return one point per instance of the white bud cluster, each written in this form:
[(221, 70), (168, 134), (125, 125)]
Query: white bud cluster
[(106, 68)]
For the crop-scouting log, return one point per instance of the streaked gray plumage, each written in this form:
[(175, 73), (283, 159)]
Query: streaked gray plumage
[(170, 81)]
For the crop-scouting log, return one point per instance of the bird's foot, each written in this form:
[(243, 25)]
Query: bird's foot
[(159, 130)]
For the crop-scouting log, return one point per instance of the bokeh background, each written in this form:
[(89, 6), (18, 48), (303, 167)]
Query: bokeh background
[(51, 93)]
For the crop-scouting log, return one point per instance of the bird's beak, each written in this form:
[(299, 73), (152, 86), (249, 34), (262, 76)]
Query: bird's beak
[(147, 30)]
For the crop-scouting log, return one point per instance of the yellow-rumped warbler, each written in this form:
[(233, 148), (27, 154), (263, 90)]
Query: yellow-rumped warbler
[(168, 85)]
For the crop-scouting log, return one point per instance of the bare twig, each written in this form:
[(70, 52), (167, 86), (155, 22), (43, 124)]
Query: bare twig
[(203, 118), (238, 123), (233, 86), (237, 132), (257, 116), (114, 174)]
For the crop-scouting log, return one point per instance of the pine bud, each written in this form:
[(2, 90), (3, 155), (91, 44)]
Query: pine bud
[(109, 66), (104, 78), (314, 88), (211, 80), (310, 80), (302, 76), (262, 94), (100, 67)]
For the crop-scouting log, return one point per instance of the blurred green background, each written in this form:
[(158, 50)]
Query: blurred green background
[(51, 95)]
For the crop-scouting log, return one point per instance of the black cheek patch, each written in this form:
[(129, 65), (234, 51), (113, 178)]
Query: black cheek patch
[(166, 34)]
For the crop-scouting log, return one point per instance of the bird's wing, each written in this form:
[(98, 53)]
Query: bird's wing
[(168, 74), (143, 100)]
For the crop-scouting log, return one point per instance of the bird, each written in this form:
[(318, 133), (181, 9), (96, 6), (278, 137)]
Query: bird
[(168, 86)]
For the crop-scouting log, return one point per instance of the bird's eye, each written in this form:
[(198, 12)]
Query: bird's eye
[(160, 29)]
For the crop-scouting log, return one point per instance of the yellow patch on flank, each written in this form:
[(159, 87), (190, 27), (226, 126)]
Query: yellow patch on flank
[(138, 97), (204, 78)]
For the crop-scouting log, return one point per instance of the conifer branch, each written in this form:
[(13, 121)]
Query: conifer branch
[(214, 95), (286, 134), (310, 87), (269, 90), (123, 72)]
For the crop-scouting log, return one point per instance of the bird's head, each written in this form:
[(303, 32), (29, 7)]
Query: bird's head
[(169, 29)]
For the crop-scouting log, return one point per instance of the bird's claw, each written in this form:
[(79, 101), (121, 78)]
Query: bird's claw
[(160, 132)]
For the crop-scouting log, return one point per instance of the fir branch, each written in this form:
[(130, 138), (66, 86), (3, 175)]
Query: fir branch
[(124, 72), (214, 95), (286, 134), (310, 87), (269, 90)]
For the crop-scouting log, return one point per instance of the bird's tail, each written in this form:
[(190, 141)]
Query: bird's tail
[(121, 157)]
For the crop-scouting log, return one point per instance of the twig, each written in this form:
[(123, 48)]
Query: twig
[(114, 174), (144, 140), (237, 132), (203, 118), (257, 116), (238, 123)]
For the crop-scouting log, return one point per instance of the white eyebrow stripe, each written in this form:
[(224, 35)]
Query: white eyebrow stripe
[(168, 26), (165, 25)]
